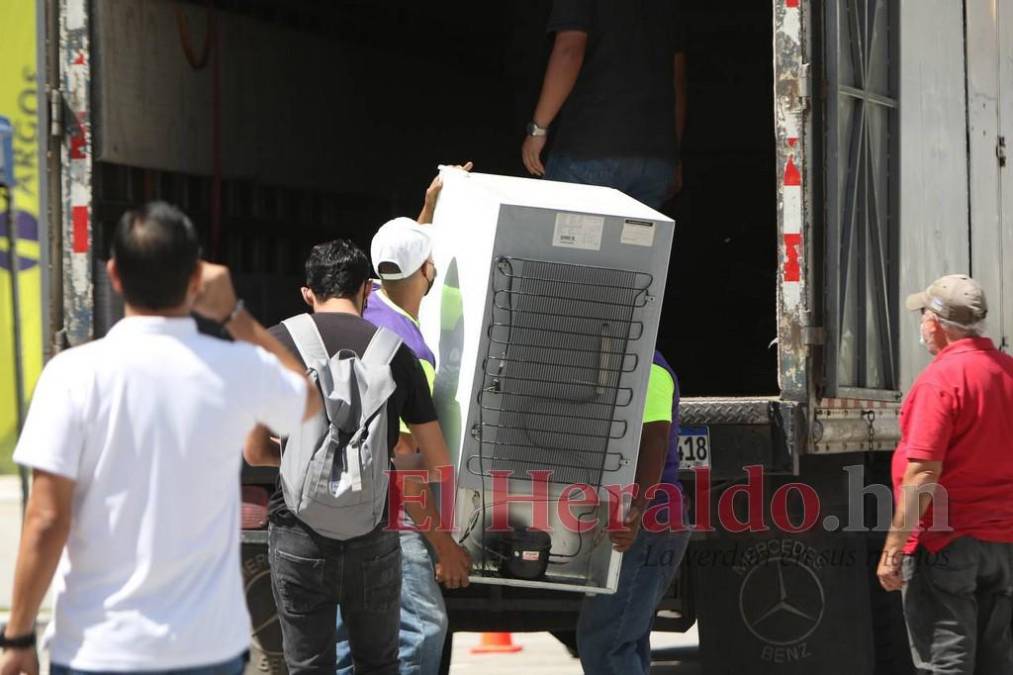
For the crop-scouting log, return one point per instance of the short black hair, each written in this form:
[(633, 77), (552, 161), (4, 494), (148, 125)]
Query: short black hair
[(337, 269), (156, 250)]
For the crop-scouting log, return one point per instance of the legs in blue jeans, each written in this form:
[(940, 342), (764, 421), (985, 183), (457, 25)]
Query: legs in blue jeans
[(647, 179), (423, 613), (231, 667), (613, 633)]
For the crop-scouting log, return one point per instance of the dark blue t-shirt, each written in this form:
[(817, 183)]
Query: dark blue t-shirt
[(623, 103)]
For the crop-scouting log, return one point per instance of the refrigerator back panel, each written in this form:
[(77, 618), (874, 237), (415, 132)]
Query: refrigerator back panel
[(544, 319)]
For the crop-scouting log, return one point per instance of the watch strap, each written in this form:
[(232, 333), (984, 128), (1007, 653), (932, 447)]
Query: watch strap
[(534, 130), (26, 641)]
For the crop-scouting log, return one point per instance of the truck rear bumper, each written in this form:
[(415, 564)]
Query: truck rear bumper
[(768, 432)]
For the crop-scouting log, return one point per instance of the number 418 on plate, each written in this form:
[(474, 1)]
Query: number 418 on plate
[(694, 447)]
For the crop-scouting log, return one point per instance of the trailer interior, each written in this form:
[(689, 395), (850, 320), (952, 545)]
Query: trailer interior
[(328, 118)]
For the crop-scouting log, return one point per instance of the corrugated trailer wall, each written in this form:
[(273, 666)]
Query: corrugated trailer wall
[(990, 132), (933, 171)]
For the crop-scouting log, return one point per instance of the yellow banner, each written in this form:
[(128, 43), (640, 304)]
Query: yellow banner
[(19, 101)]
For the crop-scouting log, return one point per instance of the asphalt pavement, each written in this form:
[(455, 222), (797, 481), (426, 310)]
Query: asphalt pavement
[(542, 654)]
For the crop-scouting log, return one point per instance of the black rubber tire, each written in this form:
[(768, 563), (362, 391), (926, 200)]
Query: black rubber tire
[(889, 633), (266, 656)]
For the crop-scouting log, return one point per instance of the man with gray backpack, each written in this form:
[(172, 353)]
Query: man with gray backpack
[(329, 545)]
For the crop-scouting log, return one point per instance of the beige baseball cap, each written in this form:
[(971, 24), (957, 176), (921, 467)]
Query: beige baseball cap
[(955, 297), (404, 243)]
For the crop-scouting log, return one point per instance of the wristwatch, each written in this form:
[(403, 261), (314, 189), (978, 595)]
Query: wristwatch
[(535, 130), (26, 641)]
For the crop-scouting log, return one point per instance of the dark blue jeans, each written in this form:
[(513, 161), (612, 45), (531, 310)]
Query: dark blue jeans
[(647, 179), (312, 576), (231, 667), (614, 631)]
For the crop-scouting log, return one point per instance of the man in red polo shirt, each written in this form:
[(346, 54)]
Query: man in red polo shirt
[(950, 546)]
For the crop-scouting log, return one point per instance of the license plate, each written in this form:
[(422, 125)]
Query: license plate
[(694, 447)]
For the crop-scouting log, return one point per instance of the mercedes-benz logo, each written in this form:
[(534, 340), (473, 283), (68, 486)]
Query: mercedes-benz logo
[(781, 601)]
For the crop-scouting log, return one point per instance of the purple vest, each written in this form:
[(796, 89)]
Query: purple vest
[(379, 312)]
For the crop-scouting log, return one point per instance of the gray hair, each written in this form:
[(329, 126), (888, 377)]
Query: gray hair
[(958, 331)]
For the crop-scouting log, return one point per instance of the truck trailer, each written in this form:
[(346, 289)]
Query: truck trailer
[(839, 154)]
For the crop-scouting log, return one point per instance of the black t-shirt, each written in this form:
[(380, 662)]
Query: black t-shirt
[(623, 104), (411, 400)]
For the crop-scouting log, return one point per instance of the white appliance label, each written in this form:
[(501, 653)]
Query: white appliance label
[(576, 230), (638, 233)]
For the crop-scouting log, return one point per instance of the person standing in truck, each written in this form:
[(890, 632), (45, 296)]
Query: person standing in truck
[(613, 632), (950, 546), (314, 576), (613, 98), (134, 443)]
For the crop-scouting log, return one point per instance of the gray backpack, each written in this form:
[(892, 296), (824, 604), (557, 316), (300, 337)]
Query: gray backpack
[(334, 468)]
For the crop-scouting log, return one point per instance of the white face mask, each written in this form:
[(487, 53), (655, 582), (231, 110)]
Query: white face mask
[(922, 340)]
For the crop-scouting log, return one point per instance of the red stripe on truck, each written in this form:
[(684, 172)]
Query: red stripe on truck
[(792, 250), (79, 216), (792, 176), (78, 141)]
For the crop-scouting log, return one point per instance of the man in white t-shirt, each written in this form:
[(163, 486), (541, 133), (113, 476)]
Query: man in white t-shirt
[(135, 440)]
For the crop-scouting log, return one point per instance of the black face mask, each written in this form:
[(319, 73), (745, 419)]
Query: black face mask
[(431, 281)]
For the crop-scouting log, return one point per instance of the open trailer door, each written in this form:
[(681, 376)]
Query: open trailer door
[(857, 203), (890, 204), (860, 118)]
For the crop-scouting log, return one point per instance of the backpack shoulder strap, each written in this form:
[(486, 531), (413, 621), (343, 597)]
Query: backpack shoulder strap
[(306, 336), (382, 348)]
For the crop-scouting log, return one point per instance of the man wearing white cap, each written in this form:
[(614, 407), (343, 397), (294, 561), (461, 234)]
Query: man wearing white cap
[(402, 258), (401, 252), (950, 547)]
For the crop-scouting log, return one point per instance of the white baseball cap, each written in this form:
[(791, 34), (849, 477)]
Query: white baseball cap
[(402, 242)]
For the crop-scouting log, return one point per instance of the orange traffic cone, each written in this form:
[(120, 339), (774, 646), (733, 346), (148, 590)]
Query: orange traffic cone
[(496, 643)]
